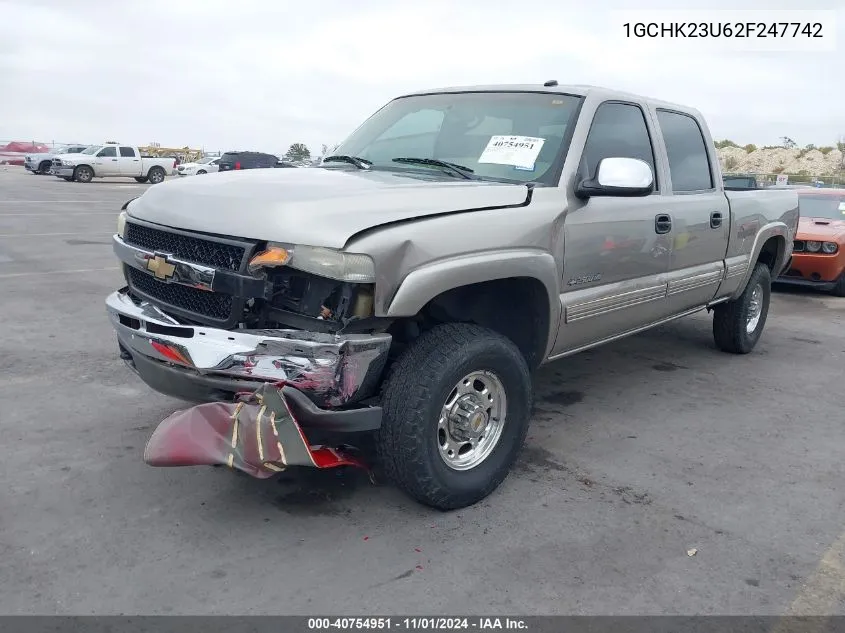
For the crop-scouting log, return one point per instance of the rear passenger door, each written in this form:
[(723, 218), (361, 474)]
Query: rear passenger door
[(615, 253), (130, 162), (700, 213)]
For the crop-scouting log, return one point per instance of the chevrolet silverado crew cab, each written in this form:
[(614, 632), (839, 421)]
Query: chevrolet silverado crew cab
[(458, 239), (112, 160)]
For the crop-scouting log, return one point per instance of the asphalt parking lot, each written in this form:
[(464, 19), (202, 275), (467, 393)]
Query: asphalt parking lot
[(640, 453)]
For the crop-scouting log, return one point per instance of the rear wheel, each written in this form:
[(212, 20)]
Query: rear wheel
[(140, 179), (456, 410), (83, 173), (738, 324), (156, 175)]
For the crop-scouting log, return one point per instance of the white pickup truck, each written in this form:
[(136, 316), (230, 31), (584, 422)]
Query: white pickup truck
[(112, 160)]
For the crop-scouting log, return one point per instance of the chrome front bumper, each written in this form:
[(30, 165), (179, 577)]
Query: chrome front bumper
[(200, 363)]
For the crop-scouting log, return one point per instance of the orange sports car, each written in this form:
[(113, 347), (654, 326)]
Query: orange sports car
[(818, 258)]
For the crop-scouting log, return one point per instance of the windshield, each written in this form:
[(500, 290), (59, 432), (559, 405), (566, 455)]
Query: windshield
[(831, 207), (93, 149), (61, 150), (514, 137)]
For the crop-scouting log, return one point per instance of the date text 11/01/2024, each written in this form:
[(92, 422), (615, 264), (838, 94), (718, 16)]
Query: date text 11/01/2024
[(417, 623), (737, 30)]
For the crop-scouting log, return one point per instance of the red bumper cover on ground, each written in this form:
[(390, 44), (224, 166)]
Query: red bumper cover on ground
[(256, 434)]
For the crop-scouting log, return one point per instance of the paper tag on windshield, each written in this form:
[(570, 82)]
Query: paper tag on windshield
[(517, 151)]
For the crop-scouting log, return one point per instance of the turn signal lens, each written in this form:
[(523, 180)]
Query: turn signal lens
[(814, 247), (272, 257), (830, 247)]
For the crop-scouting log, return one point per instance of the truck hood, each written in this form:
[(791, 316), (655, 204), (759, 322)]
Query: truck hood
[(315, 207), (822, 229)]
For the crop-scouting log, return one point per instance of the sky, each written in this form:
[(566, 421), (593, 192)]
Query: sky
[(261, 74)]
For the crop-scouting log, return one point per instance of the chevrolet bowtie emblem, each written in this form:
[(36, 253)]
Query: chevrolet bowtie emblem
[(160, 267)]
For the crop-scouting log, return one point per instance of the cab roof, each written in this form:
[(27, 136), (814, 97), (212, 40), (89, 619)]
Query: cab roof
[(579, 90)]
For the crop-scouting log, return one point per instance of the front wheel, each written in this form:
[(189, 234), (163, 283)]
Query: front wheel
[(44, 167), (738, 324), (83, 173), (456, 409), (201, 172), (156, 175)]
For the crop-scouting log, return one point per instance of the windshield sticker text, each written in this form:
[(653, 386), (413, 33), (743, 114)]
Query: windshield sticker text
[(515, 151)]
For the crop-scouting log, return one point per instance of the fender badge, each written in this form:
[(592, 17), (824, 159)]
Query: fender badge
[(585, 279)]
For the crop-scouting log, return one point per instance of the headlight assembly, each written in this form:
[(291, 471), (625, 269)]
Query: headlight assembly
[(814, 247), (829, 247), (121, 224), (325, 262)]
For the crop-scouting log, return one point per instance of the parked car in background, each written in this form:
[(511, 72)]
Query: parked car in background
[(42, 163), (818, 259), (112, 160), (207, 165), (247, 160), (593, 215)]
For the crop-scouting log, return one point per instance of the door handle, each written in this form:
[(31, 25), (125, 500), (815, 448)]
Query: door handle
[(715, 219), (662, 223)]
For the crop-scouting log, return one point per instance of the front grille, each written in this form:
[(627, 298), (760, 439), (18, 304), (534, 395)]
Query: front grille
[(213, 305), (798, 246), (192, 249)]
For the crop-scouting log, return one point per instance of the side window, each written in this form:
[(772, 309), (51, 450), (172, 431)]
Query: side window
[(689, 166), (107, 152), (75, 150), (127, 152), (618, 131)]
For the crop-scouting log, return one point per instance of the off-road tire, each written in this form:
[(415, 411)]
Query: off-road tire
[(730, 318), (83, 173), (141, 179), (156, 175), (43, 167), (839, 288), (419, 383)]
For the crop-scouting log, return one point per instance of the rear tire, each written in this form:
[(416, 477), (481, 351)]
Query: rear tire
[(156, 175), (420, 428), (738, 324), (83, 173), (141, 179)]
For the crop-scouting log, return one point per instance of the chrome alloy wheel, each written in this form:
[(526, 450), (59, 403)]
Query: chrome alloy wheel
[(755, 309), (471, 420)]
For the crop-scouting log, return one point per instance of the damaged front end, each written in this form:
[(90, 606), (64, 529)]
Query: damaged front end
[(257, 434)]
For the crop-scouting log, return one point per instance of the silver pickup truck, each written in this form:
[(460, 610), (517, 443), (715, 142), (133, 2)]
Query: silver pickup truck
[(458, 239)]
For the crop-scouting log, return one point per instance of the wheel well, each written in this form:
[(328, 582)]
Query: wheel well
[(516, 307), (771, 251)]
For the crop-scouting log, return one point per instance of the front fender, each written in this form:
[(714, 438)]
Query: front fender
[(424, 284)]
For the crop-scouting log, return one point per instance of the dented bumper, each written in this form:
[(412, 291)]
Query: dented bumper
[(203, 364)]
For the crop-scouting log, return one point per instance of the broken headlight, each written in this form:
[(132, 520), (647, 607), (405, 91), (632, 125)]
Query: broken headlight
[(323, 262)]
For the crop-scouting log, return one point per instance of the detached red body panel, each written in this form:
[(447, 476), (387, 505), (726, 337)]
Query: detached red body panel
[(257, 435)]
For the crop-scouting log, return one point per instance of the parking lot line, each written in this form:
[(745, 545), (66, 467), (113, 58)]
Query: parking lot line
[(49, 234), (825, 588), (58, 272), (30, 215)]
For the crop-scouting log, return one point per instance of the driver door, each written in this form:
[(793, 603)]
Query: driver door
[(106, 162), (616, 252)]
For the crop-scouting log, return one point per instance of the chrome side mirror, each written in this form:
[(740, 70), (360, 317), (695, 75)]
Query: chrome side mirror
[(618, 176)]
